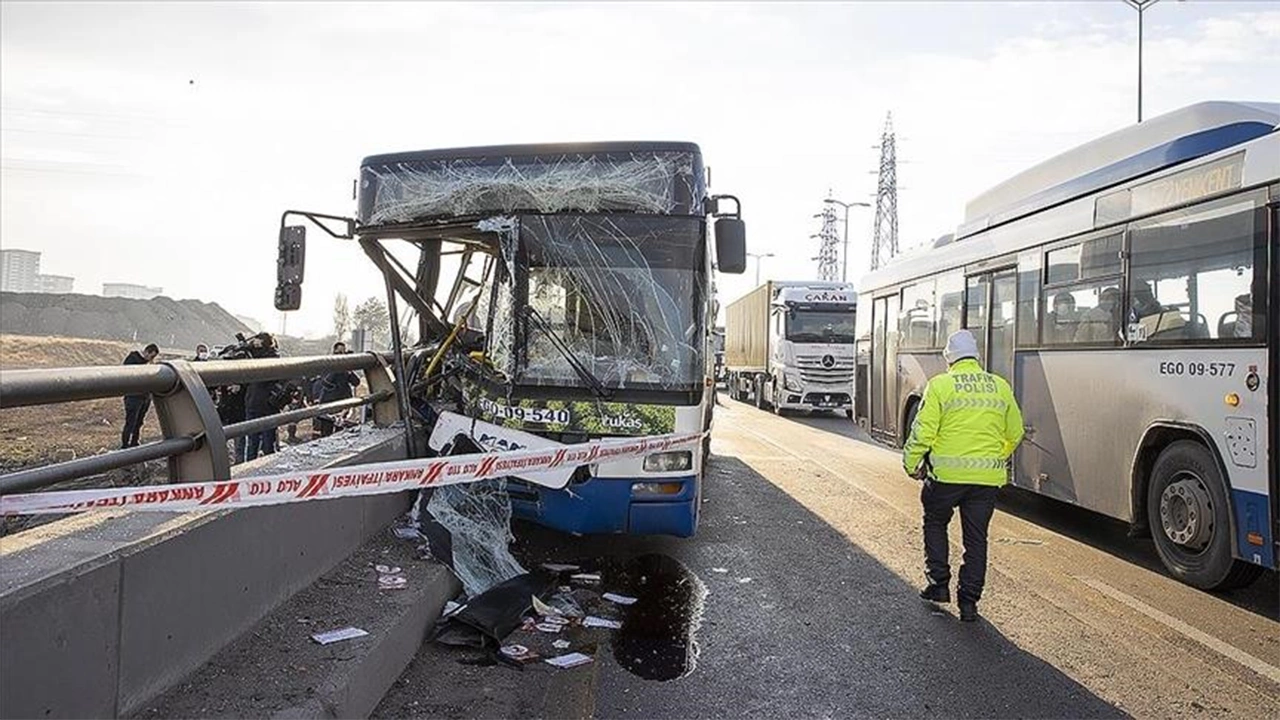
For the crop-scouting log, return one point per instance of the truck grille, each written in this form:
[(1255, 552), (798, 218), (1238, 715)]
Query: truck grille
[(825, 369)]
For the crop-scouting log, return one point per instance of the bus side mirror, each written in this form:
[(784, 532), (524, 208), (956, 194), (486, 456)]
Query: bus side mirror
[(290, 264), (731, 245)]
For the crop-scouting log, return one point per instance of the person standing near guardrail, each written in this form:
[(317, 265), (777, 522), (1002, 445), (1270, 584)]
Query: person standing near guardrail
[(263, 399), (333, 387), (136, 406)]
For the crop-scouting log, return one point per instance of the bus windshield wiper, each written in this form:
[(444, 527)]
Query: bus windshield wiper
[(592, 382)]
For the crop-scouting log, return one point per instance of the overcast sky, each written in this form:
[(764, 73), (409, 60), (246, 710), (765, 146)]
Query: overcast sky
[(157, 143)]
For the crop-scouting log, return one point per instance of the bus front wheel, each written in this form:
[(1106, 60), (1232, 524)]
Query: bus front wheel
[(1190, 518)]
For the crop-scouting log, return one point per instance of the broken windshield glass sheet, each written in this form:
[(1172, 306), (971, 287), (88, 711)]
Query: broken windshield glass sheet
[(618, 294), (478, 520), (431, 185)]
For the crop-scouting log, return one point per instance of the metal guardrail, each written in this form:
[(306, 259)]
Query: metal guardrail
[(195, 440)]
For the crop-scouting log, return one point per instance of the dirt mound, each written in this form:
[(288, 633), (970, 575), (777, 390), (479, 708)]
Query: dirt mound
[(167, 322), (26, 351)]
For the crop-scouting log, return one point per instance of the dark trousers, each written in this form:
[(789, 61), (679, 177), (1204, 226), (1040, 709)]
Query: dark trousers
[(977, 503), (135, 412), (259, 443)]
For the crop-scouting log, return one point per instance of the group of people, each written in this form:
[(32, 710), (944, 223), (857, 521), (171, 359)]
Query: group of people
[(239, 403)]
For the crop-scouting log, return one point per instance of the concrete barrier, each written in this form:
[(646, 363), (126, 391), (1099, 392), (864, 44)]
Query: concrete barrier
[(102, 612)]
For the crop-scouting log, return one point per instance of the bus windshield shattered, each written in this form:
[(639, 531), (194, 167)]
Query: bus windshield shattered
[(607, 301)]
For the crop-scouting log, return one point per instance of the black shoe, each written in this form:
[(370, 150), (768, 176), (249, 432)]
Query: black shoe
[(936, 593), (968, 611)]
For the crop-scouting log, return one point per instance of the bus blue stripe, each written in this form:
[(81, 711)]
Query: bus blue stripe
[(1253, 515)]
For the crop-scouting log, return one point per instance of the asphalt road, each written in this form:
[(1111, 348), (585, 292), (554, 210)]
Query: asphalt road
[(798, 598)]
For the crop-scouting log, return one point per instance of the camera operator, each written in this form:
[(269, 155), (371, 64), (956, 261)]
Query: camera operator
[(333, 387)]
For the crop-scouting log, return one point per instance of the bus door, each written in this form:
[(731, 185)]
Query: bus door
[(884, 366), (990, 315)]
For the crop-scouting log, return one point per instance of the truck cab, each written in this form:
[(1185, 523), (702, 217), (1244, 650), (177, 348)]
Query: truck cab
[(811, 343)]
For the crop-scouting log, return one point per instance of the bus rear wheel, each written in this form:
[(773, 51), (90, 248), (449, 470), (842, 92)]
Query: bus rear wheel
[(1189, 513)]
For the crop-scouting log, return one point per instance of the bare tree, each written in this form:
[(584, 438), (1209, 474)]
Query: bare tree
[(341, 318)]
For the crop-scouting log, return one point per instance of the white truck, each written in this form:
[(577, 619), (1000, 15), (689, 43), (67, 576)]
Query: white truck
[(789, 345)]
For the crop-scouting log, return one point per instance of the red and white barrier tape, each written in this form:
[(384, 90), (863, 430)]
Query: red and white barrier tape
[(371, 479)]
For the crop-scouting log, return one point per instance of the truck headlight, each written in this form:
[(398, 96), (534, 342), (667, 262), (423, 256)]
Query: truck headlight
[(792, 383), (669, 461)]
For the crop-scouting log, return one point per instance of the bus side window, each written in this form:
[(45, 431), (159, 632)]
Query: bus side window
[(950, 295), (917, 318), (1028, 299), (1196, 274)]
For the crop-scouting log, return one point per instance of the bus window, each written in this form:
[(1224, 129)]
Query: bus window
[(975, 306), (1095, 258), (950, 295), (918, 319), (1028, 297), (1199, 274), (1083, 314)]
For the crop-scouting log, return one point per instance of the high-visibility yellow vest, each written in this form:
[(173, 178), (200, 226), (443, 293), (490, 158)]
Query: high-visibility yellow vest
[(969, 424)]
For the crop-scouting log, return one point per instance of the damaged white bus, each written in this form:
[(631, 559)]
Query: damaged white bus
[(1128, 291), (580, 307)]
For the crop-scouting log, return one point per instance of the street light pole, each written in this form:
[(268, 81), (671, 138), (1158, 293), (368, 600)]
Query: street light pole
[(844, 271), (1140, 6), (758, 259)]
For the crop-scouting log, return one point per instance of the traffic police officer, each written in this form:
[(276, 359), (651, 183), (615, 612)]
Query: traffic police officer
[(967, 427)]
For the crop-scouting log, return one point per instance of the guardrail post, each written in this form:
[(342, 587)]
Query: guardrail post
[(189, 411), (385, 412)]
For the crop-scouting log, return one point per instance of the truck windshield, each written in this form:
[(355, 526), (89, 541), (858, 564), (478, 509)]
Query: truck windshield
[(620, 291), (820, 326)]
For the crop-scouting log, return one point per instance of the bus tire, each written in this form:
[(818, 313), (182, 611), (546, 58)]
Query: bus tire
[(913, 409), (1190, 517)]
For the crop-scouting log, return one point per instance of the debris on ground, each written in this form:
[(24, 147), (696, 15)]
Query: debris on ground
[(519, 653), (333, 636), (586, 578), (570, 660), (559, 567), (619, 599), (561, 644), (598, 622)]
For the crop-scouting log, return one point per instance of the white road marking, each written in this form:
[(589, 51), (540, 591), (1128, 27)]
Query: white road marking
[(1262, 667)]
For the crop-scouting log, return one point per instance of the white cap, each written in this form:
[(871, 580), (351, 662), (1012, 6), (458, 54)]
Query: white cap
[(960, 345)]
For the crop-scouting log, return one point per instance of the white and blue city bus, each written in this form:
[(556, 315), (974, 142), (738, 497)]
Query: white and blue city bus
[(1128, 290), (594, 306)]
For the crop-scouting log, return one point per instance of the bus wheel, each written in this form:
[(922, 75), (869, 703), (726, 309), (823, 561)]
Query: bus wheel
[(912, 412), (1190, 519)]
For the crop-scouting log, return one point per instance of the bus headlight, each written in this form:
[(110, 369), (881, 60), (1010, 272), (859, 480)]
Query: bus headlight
[(669, 461)]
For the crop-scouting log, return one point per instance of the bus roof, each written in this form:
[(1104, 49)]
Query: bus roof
[(1172, 138), (528, 150)]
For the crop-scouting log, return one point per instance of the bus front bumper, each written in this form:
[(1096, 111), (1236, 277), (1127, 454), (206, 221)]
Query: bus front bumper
[(635, 506)]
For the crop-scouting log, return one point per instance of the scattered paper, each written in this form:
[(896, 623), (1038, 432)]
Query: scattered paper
[(619, 599), (556, 620), (392, 582), (333, 636), (560, 644), (593, 621), (547, 627), (586, 577), (407, 533), (720, 570), (387, 569), (519, 653), (570, 660), (744, 581), (559, 567)]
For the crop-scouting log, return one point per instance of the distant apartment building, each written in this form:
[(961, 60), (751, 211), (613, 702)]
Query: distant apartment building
[(129, 290), (19, 271), (56, 284)]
